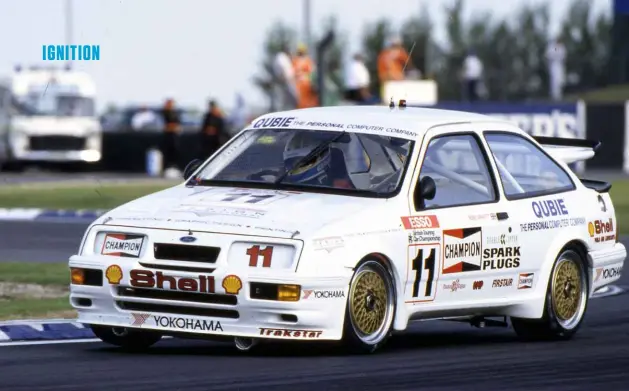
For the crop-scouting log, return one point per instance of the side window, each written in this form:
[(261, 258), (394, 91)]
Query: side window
[(525, 170), (459, 168)]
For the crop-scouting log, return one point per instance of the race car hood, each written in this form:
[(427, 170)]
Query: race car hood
[(284, 214)]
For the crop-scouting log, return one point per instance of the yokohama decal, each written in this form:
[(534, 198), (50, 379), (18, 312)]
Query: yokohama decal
[(139, 319)]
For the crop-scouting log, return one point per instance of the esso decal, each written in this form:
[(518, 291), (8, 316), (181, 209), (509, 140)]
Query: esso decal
[(419, 222)]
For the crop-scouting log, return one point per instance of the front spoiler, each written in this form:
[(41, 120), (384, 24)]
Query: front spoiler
[(606, 265), (198, 327)]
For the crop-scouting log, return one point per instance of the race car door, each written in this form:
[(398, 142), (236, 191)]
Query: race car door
[(447, 229), (543, 203)]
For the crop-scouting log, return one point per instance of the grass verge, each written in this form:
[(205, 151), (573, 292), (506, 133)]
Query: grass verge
[(73, 196), (615, 93), (620, 198), (34, 290)]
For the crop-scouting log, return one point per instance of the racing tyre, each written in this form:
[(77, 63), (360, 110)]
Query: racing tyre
[(370, 307), (125, 337), (566, 301)]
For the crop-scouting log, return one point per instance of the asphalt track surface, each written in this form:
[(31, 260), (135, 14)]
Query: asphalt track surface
[(51, 176), (431, 355), (37, 241)]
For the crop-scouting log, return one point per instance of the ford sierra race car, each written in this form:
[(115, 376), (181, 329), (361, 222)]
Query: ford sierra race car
[(346, 224)]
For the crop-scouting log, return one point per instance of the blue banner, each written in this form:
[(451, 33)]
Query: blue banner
[(551, 120), (621, 7)]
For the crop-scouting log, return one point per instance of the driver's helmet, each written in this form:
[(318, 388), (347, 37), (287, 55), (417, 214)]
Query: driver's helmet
[(298, 146)]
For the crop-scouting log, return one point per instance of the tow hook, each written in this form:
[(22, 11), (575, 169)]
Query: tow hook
[(481, 322), (245, 344)]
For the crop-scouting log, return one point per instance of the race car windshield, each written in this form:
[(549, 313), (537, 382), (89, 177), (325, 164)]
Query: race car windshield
[(349, 162)]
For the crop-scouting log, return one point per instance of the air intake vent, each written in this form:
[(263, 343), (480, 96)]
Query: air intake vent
[(187, 253)]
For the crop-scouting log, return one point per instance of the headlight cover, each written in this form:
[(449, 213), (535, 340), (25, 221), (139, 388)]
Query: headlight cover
[(118, 244)]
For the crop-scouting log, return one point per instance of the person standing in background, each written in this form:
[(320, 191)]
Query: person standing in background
[(556, 57), (472, 75), (357, 80), (212, 131), (170, 144), (238, 117), (391, 62), (285, 76), (304, 68)]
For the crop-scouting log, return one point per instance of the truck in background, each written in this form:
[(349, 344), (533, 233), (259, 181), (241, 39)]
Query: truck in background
[(48, 116)]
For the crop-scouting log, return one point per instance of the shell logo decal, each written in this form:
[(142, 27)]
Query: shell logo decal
[(232, 284), (113, 274), (591, 229)]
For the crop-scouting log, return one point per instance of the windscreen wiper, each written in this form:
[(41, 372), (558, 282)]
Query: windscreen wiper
[(317, 150)]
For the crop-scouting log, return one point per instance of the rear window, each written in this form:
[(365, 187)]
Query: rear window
[(525, 169)]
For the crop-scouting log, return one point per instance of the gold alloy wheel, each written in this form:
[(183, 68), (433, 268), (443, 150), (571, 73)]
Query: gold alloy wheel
[(567, 289), (369, 302)]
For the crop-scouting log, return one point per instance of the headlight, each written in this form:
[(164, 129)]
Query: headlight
[(18, 138), (93, 140), (261, 255)]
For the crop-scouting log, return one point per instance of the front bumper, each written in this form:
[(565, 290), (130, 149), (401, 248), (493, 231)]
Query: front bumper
[(87, 156), (309, 318), (606, 265)]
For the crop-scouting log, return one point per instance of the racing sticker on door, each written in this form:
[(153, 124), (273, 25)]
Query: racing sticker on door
[(462, 250), (421, 275)]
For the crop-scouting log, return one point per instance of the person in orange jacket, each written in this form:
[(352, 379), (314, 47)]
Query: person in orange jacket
[(304, 69), (391, 62)]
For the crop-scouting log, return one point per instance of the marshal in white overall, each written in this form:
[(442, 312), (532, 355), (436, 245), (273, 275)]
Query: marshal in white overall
[(347, 223)]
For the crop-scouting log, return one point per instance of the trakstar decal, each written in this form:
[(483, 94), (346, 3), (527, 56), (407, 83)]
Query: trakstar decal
[(289, 333)]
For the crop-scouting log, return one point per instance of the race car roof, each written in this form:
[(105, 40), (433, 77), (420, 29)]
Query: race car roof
[(409, 122)]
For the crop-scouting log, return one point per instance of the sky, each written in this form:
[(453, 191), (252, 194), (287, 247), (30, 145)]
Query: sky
[(193, 50)]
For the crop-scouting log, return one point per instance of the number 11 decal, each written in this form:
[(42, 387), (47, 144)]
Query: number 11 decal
[(424, 262)]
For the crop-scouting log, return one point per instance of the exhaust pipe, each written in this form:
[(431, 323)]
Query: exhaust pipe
[(245, 344)]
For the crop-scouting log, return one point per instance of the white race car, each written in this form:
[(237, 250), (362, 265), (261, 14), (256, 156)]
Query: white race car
[(346, 223)]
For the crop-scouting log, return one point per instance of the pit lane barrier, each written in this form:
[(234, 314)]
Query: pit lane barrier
[(66, 329), (38, 214)]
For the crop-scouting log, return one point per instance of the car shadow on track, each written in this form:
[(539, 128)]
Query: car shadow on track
[(412, 340)]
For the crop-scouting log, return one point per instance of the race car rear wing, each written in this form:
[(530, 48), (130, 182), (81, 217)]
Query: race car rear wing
[(569, 150), (573, 150)]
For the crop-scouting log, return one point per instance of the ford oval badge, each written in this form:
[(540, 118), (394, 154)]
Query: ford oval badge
[(188, 239)]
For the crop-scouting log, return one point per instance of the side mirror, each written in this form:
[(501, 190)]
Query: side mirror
[(425, 191), (191, 168)]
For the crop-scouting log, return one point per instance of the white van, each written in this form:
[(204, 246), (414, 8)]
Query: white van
[(48, 115)]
